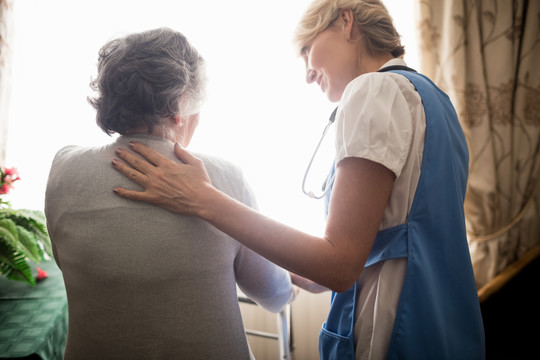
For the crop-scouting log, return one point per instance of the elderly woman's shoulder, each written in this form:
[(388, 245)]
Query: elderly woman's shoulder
[(80, 153), (214, 160), (225, 175), (214, 163), (71, 152)]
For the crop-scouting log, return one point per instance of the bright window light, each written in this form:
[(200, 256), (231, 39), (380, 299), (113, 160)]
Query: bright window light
[(259, 114)]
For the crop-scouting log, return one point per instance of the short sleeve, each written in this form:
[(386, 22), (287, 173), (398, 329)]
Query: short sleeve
[(374, 122)]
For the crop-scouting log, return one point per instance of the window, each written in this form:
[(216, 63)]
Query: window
[(260, 113)]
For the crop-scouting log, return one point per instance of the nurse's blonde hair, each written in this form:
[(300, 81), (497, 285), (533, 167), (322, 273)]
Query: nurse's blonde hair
[(371, 18)]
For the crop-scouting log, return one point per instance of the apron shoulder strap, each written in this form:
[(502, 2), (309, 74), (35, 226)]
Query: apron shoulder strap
[(396, 67)]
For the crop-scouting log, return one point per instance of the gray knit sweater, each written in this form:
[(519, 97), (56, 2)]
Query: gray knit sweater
[(144, 283)]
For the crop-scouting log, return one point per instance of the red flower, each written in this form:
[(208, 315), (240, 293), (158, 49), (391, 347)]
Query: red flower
[(13, 173), (41, 274), (7, 177)]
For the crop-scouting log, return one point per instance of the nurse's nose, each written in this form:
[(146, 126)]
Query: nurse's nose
[(311, 76)]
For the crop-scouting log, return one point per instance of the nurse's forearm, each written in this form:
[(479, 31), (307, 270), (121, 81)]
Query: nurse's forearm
[(307, 284), (315, 258)]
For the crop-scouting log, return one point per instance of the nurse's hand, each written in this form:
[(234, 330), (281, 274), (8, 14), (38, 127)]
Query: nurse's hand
[(170, 185)]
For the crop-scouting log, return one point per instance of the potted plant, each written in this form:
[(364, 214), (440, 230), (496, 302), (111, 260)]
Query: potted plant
[(23, 235)]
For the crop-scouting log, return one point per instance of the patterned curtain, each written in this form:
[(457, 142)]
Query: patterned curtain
[(6, 36), (486, 55)]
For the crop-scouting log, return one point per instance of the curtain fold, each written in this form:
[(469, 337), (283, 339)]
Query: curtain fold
[(6, 41), (485, 55)]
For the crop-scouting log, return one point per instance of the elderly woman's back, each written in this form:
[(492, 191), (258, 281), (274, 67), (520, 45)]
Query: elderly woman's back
[(144, 283)]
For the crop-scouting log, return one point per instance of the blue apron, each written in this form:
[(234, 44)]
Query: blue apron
[(438, 314)]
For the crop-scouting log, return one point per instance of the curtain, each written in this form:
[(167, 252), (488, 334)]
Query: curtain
[(485, 54), (6, 36)]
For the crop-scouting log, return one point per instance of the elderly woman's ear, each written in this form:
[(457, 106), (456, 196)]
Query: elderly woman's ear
[(176, 120), (187, 126)]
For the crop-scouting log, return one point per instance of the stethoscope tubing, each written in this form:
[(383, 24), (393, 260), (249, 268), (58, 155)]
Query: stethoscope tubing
[(329, 184)]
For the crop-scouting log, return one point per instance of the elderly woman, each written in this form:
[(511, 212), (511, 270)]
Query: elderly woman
[(395, 250), (141, 282)]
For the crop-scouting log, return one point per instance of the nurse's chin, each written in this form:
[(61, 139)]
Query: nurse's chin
[(333, 97)]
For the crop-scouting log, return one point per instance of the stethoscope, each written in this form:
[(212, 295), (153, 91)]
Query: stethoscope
[(328, 186)]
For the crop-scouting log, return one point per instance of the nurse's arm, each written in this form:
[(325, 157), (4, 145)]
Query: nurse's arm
[(307, 284), (335, 260)]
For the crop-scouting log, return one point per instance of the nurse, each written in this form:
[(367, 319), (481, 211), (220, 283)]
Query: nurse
[(394, 250)]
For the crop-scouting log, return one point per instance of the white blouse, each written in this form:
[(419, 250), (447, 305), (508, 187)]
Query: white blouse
[(381, 118)]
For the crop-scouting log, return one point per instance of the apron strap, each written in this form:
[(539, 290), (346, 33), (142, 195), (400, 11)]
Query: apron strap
[(396, 67)]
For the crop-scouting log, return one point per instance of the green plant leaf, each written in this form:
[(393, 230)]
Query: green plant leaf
[(13, 265), (32, 221), (23, 235), (8, 232), (29, 245)]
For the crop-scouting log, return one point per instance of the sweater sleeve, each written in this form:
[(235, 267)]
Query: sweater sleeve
[(261, 280)]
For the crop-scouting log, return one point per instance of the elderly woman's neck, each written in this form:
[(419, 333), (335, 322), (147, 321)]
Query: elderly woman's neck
[(158, 131)]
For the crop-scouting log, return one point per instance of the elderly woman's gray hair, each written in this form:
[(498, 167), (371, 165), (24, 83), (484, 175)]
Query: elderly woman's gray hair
[(146, 77)]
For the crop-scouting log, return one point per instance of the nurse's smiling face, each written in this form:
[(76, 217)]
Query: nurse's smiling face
[(332, 58)]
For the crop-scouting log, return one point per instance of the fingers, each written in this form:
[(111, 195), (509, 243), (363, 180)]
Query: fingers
[(149, 154), (135, 161), (184, 155), (130, 194), (128, 171)]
